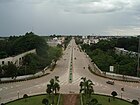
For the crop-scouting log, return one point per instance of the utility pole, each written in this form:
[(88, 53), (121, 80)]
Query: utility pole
[(138, 57)]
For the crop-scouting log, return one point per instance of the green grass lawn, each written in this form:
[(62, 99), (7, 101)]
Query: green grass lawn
[(37, 100), (34, 100), (104, 100)]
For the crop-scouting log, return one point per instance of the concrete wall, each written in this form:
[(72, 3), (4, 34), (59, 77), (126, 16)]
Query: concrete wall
[(17, 60)]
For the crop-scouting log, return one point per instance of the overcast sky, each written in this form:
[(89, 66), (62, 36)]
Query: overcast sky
[(45, 17)]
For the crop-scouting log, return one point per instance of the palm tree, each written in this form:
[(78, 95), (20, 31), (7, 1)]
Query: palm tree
[(82, 85), (86, 87), (56, 87), (49, 90), (53, 87)]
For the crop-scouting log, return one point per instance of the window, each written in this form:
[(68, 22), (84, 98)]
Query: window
[(8, 62), (3, 62)]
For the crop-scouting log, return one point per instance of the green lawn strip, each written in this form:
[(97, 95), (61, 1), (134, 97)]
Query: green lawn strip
[(102, 99), (33, 100)]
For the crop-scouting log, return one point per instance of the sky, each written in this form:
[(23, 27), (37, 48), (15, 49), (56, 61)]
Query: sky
[(71, 17)]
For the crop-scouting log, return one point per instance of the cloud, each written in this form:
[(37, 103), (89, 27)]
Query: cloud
[(23, 1), (70, 16), (92, 6)]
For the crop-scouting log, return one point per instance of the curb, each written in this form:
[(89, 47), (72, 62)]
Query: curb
[(58, 102), (29, 78), (111, 78)]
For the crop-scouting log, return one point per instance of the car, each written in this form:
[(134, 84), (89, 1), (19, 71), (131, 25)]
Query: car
[(111, 82)]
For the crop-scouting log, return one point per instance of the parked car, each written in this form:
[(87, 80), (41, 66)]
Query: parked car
[(111, 82)]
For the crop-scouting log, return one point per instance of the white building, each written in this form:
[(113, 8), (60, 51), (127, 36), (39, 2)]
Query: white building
[(17, 60), (55, 41), (125, 52), (94, 41)]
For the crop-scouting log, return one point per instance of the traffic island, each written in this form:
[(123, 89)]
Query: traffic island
[(71, 68)]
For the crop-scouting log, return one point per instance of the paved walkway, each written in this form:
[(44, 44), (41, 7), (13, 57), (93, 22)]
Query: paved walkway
[(71, 99)]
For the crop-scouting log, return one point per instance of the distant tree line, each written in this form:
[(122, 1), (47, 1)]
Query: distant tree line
[(32, 63), (130, 43), (103, 54)]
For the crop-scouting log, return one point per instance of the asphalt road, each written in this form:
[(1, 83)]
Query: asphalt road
[(11, 91)]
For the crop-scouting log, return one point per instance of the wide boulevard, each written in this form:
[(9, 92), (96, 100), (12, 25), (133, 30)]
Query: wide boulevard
[(80, 62)]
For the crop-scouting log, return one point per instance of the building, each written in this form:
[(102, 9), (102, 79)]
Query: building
[(55, 41), (125, 52), (17, 60)]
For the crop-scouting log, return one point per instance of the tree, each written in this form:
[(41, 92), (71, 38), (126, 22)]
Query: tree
[(114, 93), (94, 101), (45, 101), (25, 96), (135, 102), (9, 70), (12, 70), (49, 89), (86, 87), (53, 87)]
